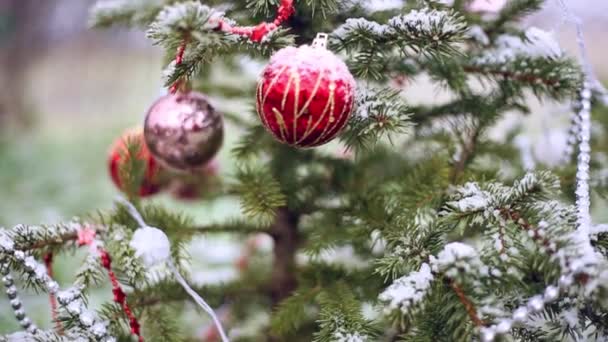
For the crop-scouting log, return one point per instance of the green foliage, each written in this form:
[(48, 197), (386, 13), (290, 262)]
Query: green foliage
[(292, 313), (106, 13), (427, 33), (513, 11), (260, 194), (379, 113), (341, 317)]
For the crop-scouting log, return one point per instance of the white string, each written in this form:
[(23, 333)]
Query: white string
[(200, 301), (180, 279)]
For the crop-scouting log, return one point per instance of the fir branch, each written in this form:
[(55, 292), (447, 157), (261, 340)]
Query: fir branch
[(106, 13), (559, 78), (431, 33), (291, 314), (230, 226), (513, 11), (261, 194), (467, 152), (379, 113), (341, 318), (536, 235), (188, 18)]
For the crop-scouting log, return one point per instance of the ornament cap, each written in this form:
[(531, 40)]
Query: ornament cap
[(320, 41)]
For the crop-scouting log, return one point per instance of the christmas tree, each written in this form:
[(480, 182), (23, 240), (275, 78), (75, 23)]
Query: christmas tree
[(364, 216)]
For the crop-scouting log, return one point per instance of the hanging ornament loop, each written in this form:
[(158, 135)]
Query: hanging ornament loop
[(320, 41)]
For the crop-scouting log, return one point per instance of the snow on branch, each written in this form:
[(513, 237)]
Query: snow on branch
[(456, 258), (183, 19), (127, 12), (408, 291), (379, 113), (429, 24), (535, 60), (426, 31)]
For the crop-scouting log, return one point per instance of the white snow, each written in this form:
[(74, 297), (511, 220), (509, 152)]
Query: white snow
[(427, 21), (343, 255), (340, 336), (86, 318), (6, 243), (355, 24), (408, 290), (570, 317), (542, 43), (151, 245), (537, 44), (477, 33), (473, 198)]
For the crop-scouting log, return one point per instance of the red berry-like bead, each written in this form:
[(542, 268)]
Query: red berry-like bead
[(305, 96)]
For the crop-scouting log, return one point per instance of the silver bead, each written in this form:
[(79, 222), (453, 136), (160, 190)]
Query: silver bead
[(7, 280), (551, 293), (520, 315), (32, 329), (25, 322), (30, 264), (19, 314), (565, 281), (504, 326), (4, 269), (488, 335), (15, 303), (11, 292), (536, 304)]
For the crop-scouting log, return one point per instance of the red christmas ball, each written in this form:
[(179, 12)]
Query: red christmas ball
[(305, 96), (119, 157)]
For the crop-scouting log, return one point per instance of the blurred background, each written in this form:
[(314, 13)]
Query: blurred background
[(66, 92)]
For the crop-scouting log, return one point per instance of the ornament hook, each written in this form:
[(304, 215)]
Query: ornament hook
[(320, 41)]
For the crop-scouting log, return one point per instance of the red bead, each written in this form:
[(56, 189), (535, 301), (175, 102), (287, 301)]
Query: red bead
[(260, 31), (119, 295), (305, 96), (119, 155), (106, 261)]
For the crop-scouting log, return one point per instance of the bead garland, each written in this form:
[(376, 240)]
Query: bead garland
[(70, 300), (16, 304)]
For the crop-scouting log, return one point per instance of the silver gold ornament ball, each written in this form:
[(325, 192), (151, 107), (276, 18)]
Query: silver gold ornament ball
[(183, 131)]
